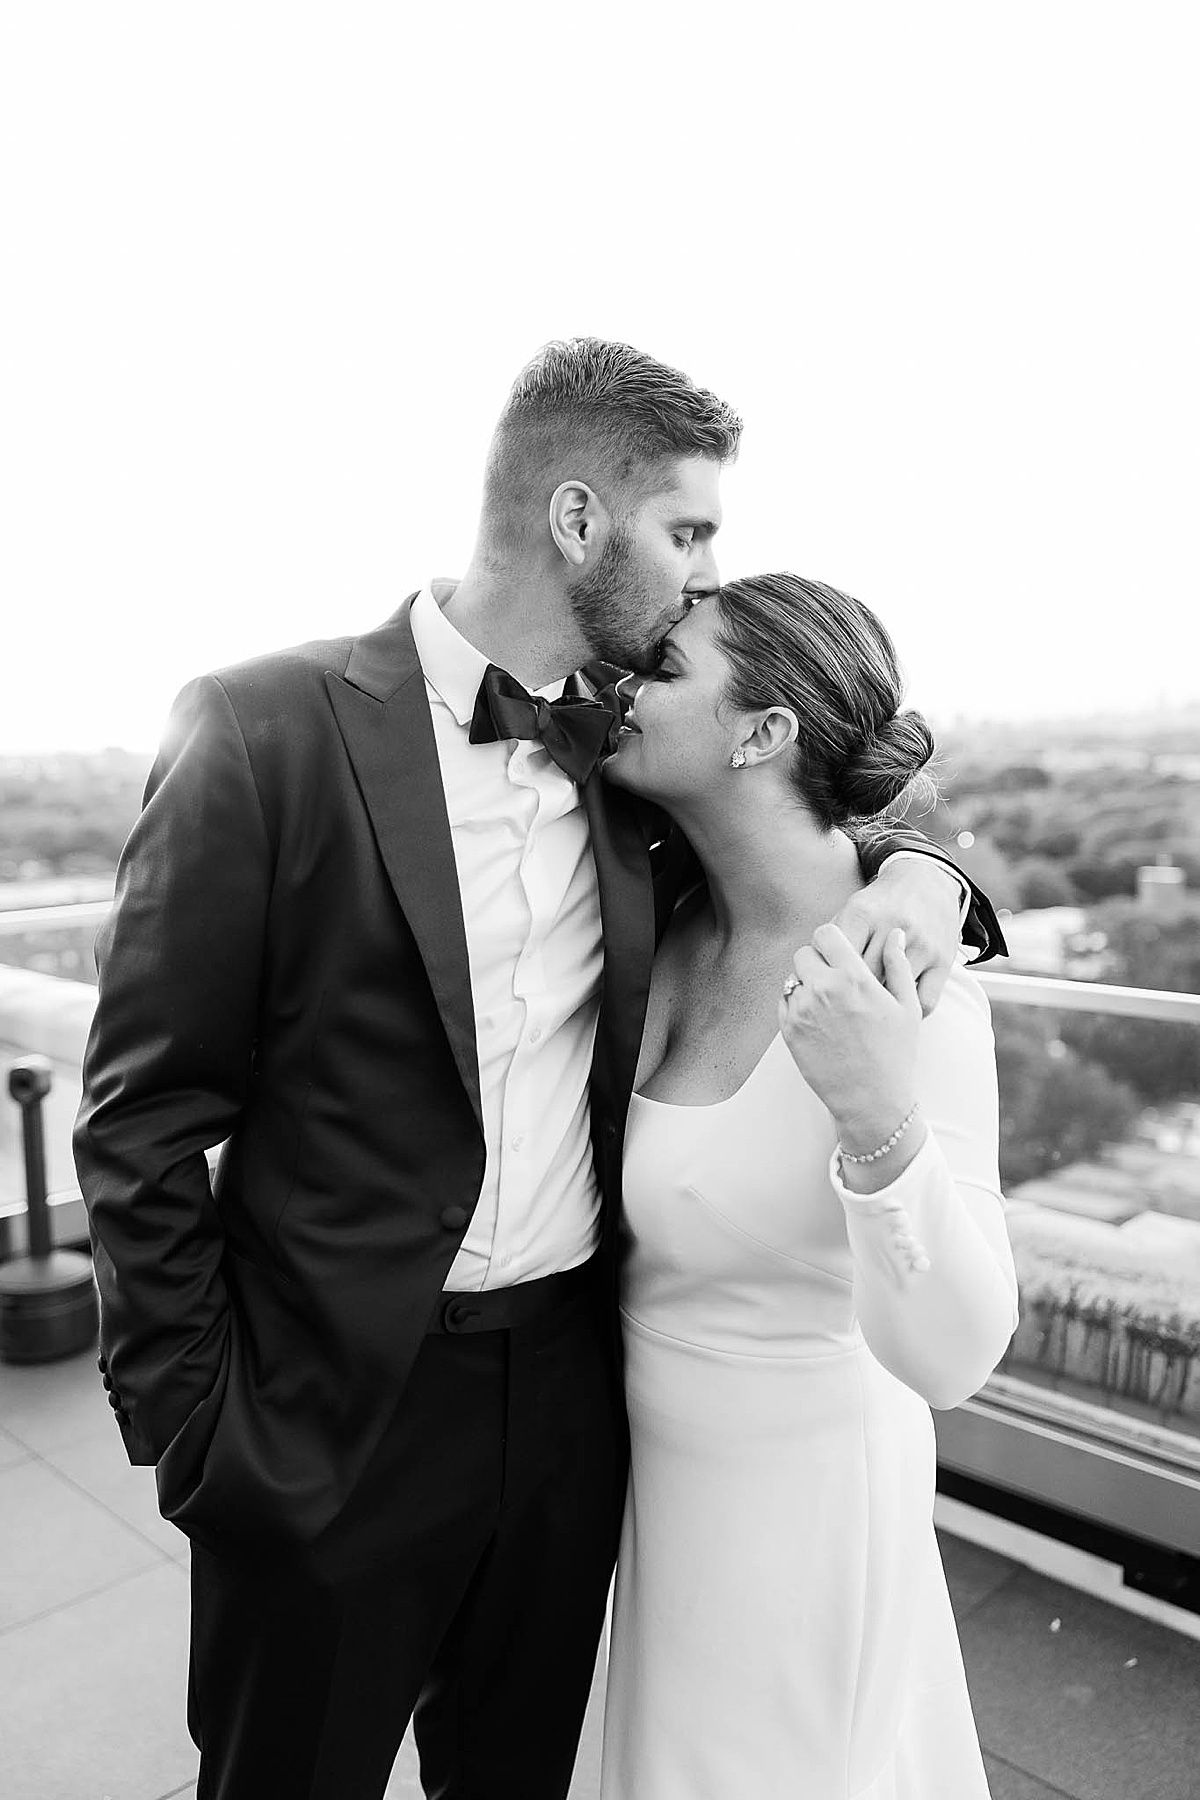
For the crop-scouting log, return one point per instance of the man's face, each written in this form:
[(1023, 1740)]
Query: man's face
[(654, 566)]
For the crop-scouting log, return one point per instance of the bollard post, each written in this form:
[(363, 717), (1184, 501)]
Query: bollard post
[(29, 1083), (48, 1303)]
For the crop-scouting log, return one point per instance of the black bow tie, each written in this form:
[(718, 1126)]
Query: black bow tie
[(574, 731)]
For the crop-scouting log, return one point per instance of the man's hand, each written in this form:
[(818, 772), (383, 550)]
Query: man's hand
[(922, 897)]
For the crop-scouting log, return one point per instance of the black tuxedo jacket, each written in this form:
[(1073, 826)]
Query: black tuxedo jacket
[(285, 972)]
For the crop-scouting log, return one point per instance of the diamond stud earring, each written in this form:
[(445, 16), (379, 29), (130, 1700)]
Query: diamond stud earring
[(738, 759)]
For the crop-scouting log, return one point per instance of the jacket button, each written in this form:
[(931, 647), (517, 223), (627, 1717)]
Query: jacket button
[(122, 1416), (454, 1217), (102, 1364), (106, 1380), (114, 1402)]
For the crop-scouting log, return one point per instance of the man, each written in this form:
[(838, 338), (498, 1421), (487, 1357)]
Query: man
[(357, 939)]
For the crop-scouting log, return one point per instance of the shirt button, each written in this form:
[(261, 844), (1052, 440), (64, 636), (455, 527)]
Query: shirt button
[(535, 1035), (518, 1141)]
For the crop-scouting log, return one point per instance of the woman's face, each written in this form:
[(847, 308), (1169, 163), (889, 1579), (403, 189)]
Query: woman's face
[(680, 731)]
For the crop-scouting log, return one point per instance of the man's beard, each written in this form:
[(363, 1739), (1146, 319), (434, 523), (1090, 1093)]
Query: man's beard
[(611, 607)]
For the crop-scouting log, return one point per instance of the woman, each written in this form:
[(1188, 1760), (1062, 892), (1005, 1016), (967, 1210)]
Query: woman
[(817, 1252)]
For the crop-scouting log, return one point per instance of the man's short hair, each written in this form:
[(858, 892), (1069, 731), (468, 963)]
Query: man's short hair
[(602, 412)]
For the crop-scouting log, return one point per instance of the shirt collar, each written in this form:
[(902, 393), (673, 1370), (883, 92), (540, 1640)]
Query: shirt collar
[(453, 667)]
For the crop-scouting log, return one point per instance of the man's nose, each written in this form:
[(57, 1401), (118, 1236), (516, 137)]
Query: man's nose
[(628, 687), (705, 577)]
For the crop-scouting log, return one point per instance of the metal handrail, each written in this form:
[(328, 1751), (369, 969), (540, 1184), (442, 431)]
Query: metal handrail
[(1008, 990), (1089, 996), (37, 918)]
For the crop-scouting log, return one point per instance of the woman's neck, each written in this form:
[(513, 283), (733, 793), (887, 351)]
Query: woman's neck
[(771, 871)]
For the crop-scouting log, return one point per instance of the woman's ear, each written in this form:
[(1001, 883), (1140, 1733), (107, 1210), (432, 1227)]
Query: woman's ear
[(775, 732)]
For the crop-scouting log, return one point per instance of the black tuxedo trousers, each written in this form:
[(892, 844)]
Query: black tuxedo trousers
[(466, 1577)]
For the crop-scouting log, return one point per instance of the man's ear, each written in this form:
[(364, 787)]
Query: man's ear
[(576, 520), (776, 731)]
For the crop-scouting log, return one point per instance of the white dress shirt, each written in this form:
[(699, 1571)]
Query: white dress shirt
[(531, 909)]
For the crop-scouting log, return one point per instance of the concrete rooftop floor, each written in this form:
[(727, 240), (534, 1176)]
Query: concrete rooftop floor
[(1074, 1696)]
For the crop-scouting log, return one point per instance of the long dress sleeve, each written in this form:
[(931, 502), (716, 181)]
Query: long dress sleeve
[(935, 1289)]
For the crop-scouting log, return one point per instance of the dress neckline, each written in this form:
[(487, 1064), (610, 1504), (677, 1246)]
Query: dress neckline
[(711, 1105)]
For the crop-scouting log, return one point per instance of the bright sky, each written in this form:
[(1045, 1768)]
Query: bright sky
[(269, 269)]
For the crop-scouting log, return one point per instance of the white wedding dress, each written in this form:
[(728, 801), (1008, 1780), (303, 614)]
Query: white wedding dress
[(781, 1628)]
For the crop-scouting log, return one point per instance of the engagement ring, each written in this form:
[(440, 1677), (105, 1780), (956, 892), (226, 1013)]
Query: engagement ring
[(790, 986)]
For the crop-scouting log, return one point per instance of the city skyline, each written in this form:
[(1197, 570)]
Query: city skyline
[(1127, 737)]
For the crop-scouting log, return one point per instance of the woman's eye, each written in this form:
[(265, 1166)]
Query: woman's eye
[(660, 670)]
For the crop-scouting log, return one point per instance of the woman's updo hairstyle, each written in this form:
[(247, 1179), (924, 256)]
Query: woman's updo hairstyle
[(800, 644)]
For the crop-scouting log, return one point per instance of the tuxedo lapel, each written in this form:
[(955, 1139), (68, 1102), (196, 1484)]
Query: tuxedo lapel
[(620, 832), (383, 714), (627, 917)]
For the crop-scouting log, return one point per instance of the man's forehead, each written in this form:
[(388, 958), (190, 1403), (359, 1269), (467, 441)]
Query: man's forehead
[(690, 492)]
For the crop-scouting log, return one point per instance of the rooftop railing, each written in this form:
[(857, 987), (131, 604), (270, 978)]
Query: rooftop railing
[(1089, 997), (1095, 1454), (1036, 1429)]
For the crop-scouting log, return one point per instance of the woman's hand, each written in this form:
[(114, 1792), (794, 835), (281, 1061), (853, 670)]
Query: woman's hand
[(853, 1037)]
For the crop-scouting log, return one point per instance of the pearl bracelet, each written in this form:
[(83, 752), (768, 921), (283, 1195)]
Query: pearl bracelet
[(887, 1144)]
